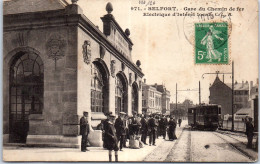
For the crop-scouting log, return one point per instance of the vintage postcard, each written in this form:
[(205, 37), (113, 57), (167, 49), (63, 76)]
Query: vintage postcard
[(130, 80)]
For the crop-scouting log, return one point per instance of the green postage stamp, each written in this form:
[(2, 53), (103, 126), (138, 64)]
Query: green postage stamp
[(211, 43)]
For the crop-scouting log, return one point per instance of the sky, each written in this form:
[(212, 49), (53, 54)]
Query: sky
[(167, 56)]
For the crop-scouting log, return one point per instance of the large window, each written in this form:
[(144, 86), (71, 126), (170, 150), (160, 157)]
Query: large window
[(120, 94), (97, 91), (26, 85), (26, 93), (119, 103)]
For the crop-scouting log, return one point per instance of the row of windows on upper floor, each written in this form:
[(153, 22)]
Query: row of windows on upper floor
[(241, 92), (152, 103)]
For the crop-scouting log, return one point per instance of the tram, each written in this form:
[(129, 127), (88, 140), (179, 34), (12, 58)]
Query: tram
[(206, 117)]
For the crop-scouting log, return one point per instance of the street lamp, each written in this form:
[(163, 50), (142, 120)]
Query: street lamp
[(232, 92)]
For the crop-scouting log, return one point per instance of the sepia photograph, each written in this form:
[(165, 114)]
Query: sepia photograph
[(130, 81)]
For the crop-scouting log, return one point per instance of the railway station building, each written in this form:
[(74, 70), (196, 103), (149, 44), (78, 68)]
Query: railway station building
[(56, 65)]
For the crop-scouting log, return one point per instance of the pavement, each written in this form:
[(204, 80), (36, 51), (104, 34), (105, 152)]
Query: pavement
[(239, 141), (13, 153), (161, 152), (18, 153)]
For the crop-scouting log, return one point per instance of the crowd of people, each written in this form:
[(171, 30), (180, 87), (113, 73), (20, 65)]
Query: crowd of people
[(135, 129)]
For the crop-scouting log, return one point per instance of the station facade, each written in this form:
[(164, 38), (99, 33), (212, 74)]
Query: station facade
[(57, 64)]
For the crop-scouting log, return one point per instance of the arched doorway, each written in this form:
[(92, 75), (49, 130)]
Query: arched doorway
[(121, 94), (134, 97), (99, 88), (26, 93)]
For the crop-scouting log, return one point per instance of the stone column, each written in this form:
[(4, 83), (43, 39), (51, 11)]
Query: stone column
[(112, 86), (129, 100), (140, 100)]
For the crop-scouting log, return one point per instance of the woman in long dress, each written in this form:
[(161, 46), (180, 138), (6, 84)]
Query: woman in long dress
[(171, 130)]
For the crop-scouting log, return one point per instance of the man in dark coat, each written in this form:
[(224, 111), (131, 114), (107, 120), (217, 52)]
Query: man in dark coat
[(135, 124), (120, 129), (249, 132), (84, 131), (110, 137), (179, 121), (163, 125), (144, 129), (105, 126), (152, 130), (126, 122)]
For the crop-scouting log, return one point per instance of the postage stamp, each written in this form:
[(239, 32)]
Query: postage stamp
[(211, 43)]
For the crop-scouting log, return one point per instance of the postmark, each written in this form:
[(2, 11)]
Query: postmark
[(211, 43)]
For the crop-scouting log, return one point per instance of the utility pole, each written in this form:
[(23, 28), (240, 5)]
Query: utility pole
[(232, 129), (176, 96)]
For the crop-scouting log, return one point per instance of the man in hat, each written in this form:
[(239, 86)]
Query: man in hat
[(135, 124), (249, 132), (105, 126), (84, 131), (120, 129), (163, 125), (110, 137), (179, 121), (152, 130), (144, 129), (126, 122)]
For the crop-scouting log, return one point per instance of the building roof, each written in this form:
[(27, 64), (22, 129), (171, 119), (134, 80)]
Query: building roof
[(244, 111), (160, 88), (237, 86), (26, 6)]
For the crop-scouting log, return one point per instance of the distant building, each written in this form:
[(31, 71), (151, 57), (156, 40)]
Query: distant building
[(241, 95), (165, 100), (182, 108), (221, 94), (254, 102), (155, 99), (253, 90), (151, 99)]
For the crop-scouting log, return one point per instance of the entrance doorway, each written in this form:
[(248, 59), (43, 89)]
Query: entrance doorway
[(26, 93)]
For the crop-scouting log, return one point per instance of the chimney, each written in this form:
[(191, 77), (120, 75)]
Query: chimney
[(257, 81), (251, 85), (242, 83), (145, 81)]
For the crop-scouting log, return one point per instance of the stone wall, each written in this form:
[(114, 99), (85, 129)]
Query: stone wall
[(221, 94), (60, 81)]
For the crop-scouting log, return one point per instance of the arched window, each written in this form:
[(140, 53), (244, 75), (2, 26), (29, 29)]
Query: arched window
[(97, 90), (26, 85), (26, 93), (121, 94)]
